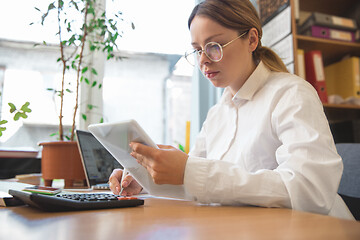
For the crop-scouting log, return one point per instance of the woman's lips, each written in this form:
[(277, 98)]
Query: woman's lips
[(210, 74)]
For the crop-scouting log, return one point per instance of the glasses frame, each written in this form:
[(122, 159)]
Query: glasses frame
[(199, 52)]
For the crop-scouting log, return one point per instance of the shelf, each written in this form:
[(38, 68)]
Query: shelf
[(332, 50), (342, 106), (333, 7), (341, 112)]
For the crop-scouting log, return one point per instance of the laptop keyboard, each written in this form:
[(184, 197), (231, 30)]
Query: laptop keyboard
[(75, 201)]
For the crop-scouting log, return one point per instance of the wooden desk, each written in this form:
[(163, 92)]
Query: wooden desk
[(171, 219)]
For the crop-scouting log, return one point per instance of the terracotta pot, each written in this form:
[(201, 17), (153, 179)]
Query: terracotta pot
[(61, 160)]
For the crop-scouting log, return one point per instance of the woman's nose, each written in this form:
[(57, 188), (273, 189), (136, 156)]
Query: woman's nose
[(203, 58)]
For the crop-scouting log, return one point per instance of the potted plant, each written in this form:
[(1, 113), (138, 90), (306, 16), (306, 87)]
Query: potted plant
[(83, 27)]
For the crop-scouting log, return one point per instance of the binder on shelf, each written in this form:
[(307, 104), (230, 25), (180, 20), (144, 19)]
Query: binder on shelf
[(301, 63), (343, 78), (330, 33), (315, 75), (326, 20)]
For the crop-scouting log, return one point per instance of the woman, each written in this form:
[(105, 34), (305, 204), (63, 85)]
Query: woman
[(266, 143)]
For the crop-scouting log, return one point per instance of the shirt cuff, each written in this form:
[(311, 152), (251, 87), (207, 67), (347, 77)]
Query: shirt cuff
[(195, 176)]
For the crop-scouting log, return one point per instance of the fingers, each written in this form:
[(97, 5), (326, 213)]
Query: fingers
[(141, 149), (114, 181), (129, 184), (127, 180), (165, 146)]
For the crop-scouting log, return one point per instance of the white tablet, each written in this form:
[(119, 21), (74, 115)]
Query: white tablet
[(116, 137)]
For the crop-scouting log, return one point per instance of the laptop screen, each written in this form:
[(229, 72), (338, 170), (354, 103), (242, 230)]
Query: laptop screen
[(98, 162)]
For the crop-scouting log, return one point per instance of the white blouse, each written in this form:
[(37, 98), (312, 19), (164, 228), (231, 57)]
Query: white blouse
[(269, 145)]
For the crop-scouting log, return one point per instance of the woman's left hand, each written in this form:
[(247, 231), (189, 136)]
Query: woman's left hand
[(166, 165)]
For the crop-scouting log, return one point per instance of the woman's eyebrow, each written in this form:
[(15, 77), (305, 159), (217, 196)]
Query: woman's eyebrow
[(207, 39)]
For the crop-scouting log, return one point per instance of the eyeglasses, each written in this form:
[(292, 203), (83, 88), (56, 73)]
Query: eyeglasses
[(213, 50)]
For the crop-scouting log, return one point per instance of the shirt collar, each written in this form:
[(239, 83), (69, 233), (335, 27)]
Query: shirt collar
[(256, 80)]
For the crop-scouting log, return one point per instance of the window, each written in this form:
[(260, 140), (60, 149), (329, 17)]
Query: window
[(134, 87)]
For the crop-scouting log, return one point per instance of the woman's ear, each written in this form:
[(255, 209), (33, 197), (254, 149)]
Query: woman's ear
[(253, 39)]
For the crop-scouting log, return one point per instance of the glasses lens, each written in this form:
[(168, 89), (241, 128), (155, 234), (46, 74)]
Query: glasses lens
[(213, 51), (190, 56)]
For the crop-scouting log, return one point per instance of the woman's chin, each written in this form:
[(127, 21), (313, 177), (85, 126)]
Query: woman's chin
[(216, 83)]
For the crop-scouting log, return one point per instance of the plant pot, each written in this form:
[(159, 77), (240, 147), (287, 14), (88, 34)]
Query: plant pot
[(61, 160)]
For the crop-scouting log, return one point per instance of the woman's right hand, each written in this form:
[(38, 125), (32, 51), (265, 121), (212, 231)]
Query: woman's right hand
[(130, 185)]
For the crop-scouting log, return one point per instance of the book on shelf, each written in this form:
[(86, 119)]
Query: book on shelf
[(343, 78), (330, 33), (327, 20), (301, 63), (315, 75)]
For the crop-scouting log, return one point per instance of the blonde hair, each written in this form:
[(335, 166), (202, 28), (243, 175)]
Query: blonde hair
[(241, 16)]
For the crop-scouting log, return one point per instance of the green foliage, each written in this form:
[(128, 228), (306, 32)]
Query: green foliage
[(99, 31), (22, 112), (2, 128), (18, 113)]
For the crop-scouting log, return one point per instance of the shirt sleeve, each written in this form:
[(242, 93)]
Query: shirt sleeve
[(309, 168), (199, 148)]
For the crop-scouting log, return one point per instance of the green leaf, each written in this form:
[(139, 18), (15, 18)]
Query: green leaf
[(23, 115), (37, 9), (1, 130), (50, 89), (91, 11), (181, 147), (100, 85), (101, 120), (87, 81), (3, 122), (94, 84), (25, 104), (75, 5), (68, 90), (51, 6), (17, 116), (25, 108), (12, 107), (94, 71), (58, 60), (84, 116), (84, 69), (73, 66)]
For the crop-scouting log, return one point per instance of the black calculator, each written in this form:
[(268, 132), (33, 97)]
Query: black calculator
[(75, 201)]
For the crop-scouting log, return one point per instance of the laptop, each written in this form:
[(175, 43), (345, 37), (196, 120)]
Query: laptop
[(98, 163)]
